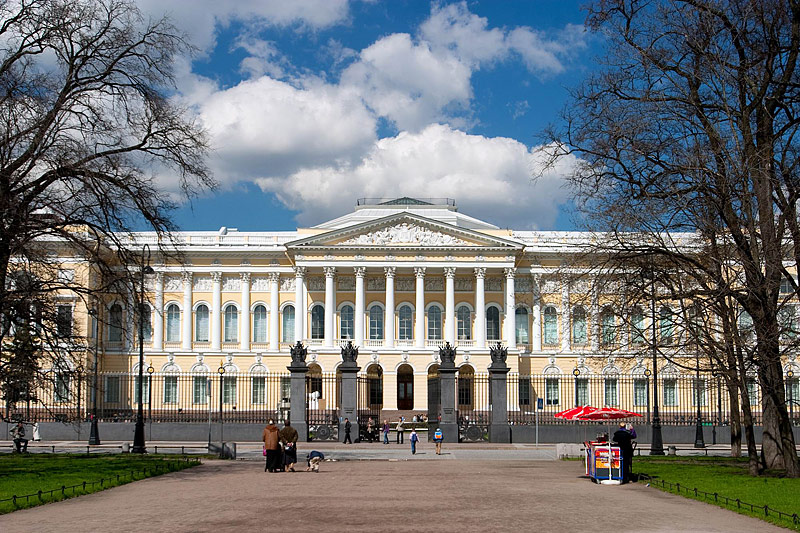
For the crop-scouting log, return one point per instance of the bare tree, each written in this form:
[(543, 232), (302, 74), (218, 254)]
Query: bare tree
[(87, 122)]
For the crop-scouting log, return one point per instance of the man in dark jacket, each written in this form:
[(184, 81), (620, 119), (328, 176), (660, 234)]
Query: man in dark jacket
[(624, 440), (271, 438), (347, 427), (288, 436)]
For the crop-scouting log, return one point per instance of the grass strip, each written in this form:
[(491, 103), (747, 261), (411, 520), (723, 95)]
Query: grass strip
[(35, 479), (727, 478)]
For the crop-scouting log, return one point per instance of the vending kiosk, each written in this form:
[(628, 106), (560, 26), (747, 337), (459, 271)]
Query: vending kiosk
[(603, 463)]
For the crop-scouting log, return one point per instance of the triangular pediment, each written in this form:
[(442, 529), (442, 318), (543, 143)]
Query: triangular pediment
[(402, 230)]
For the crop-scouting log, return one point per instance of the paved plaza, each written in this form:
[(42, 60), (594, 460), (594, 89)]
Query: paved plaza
[(466, 489)]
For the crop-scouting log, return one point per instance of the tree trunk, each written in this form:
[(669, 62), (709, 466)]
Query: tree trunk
[(777, 442), (735, 416)]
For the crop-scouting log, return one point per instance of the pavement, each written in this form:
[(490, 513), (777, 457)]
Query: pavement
[(455, 492)]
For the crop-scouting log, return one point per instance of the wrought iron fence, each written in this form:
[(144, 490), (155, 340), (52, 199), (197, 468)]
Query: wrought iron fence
[(473, 406), (322, 412)]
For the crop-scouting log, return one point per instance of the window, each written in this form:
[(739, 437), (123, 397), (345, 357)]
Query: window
[(787, 320), (583, 390), (318, 322), (286, 388), (579, 335), (259, 390), (200, 390), (550, 325), (639, 392), (115, 323), (288, 323), (145, 389), (637, 326), (524, 391), (170, 389), (610, 390), (147, 321), (493, 324), (231, 333), (260, 324), (64, 321), (786, 286), (62, 386), (229, 389), (670, 386), (793, 393), (346, 322), (201, 323), (665, 325), (551, 391), (699, 391), (521, 324), (465, 390), (173, 323), (464, 323), (745, 325), (375, 322), (608, 331), (752, 392), (111, 393), (406, 323), (434, 323)]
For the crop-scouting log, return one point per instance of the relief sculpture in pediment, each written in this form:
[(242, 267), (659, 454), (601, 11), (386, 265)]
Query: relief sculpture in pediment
[(406, 233)]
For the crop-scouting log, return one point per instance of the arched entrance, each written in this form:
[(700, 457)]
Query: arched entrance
[(434, 393), (466, 389), (405, 388), (375, 380)]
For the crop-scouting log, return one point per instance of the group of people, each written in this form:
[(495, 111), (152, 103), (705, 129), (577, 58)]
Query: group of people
[(280, 449)]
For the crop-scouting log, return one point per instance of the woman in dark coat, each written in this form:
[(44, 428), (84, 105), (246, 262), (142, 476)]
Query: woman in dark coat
[(288, 436)]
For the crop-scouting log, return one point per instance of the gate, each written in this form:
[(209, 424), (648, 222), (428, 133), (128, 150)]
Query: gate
[(434, 400), (369, 404), (322, 414), (474, 409)]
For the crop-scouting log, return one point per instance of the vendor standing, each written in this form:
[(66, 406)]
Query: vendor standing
[(624, 440)]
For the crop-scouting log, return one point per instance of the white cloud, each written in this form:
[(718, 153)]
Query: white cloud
[(489, 177)]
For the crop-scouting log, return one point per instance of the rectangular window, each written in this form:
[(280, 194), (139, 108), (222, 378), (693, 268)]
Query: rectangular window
[(200, 390), (171, 389), (610, 389), (551, 391), (640, 392), (524, 391), (583, 391), (752, 393), (62, 386), (64, 321), (259, 390), (465, 392), (375, 391), (793, 394), (229, 389), (112, 389), (286, 388), (670, 392), (145, 389), (699, 389)]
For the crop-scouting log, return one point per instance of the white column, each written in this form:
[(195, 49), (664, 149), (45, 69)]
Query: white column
[(480, 308), (299, 304), (158, 316), (360, 272), (388, 320), (216, 311), (565, 316), (330, 304), (511, 310), (186, 325), (244, 329), (274, 311), (536, 338), (595, 330), (419, 323), (450, 305)]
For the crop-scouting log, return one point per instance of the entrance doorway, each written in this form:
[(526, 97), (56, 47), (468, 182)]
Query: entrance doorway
[(405, 388)]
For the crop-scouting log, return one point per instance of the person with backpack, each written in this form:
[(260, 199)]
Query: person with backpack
[(414, 440), (438, 438)]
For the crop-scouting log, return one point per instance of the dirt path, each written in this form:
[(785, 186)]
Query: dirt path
[(461, 495)]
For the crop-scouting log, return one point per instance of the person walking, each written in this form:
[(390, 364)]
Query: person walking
[(400, 428), (347, 427), (438, 438), (370, 430), (288, 436), (386, 432), (414, 440), (271, 438)]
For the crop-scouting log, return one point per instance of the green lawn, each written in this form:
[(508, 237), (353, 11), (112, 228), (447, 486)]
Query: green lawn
[(29, 473), (726, 477)]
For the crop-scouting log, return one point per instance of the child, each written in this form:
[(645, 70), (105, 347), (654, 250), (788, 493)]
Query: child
[(438, 438), (313, 459), (414, 439)]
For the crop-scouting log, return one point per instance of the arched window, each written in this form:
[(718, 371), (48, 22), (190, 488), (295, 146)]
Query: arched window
[(173, 323), (665, 325), (346, 322), (550, 333), (406, 323), (521, 323), (115, 323), (231, 324), (745, 325), (201, 323), (288, 323), (463, 319), (375, 322), (637, 326), (608, 330), (493, 324), (434, 323), (147, 318), (318, 322), (260, 324), (579, 333)]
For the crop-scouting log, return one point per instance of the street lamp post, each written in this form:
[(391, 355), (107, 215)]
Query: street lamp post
[(138, 435), (576, 372), (699, 441), (789, 380), (647, 374), (94, 431), (221, 371), (150, 371), (656, 443)]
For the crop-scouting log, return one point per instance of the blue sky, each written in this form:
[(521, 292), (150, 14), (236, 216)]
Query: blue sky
[(312, 104)]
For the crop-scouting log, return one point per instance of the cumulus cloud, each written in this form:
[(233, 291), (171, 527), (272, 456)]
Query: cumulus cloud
[(489, 177)]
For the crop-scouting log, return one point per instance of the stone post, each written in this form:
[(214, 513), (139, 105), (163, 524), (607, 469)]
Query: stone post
[(447, 372), (499, 430), (349, 391), (297, 398)]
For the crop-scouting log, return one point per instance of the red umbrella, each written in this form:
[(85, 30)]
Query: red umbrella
[(606, 413), (575, 413)]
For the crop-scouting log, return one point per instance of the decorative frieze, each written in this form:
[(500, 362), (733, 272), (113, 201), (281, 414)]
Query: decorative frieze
[(404, 285), (405, 233), (434, 284), (376, 284), (202, 283), (493, 285), (316, 284), (522, 284), (346, 283), (231, 284), (173, 284), (463, 284), (259, 284), (287, 284)]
